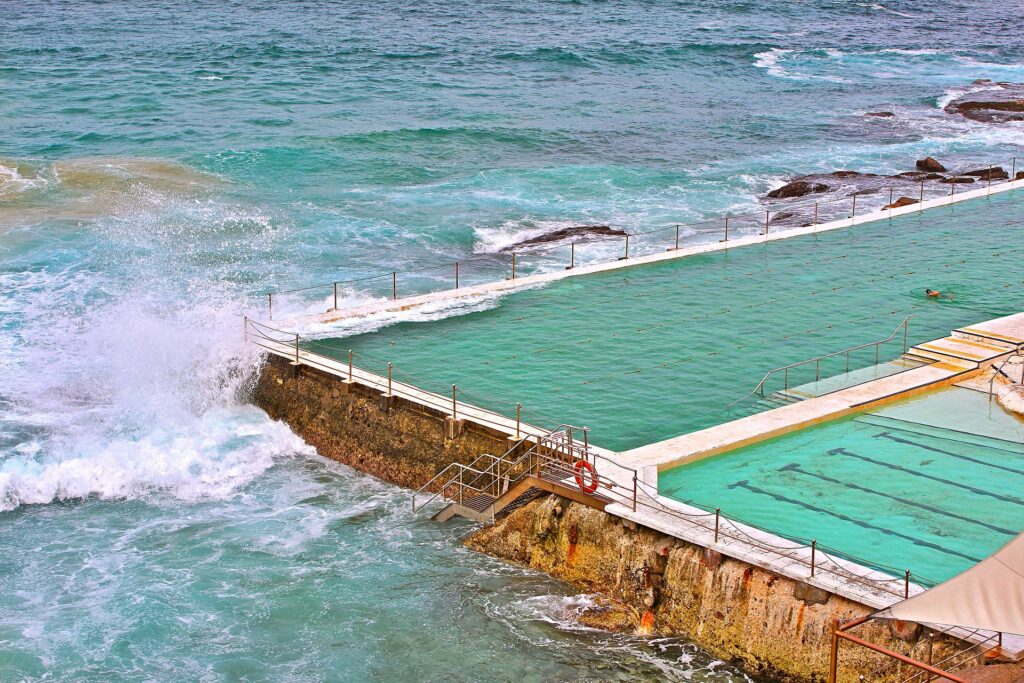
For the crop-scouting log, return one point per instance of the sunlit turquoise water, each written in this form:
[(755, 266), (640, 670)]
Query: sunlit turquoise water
[(161, 163), (679, 341), (888, 488)]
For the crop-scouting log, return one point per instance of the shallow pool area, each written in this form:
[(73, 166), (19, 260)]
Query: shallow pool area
[(647, 353), (931, 484)]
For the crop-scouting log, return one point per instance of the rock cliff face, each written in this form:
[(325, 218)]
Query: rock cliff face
[(655, 584)]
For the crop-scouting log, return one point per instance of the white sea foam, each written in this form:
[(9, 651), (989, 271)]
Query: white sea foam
[(210, 78), (769, 60)]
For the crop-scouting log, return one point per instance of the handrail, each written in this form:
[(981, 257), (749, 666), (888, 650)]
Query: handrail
[(759, 389), (762, 221), (1016, 353)]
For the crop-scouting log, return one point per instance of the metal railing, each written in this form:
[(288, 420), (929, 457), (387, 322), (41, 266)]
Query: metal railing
[(1018, 353), (816, 361), (673, 237)]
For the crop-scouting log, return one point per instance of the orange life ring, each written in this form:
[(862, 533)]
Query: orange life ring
[(582, 466)]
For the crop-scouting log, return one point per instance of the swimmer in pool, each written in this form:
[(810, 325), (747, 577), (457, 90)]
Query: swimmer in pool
[(935, 294)]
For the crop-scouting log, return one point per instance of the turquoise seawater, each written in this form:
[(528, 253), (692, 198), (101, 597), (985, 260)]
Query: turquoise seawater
[(162, 163), (888, 488)]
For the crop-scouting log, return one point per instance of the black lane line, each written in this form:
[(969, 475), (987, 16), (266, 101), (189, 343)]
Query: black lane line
[(948, 482), (899, 439), (795, 467), (858, 522)]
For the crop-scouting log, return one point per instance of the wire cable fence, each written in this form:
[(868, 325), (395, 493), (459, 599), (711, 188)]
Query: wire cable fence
[(423, 278)]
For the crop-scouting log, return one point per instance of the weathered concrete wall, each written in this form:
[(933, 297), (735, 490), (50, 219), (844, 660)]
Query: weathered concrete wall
[(770, 625), (404, 444)]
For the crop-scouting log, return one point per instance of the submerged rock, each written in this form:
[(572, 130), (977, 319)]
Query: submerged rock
[(999, 103), (881, 114), (931, 165), (957, 181), (572, 232), (797, 188)]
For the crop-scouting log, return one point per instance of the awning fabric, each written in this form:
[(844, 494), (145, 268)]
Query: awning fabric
[(988, 596)]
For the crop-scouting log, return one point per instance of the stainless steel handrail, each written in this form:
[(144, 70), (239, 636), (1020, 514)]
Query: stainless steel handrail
[(759, 389), (1018, 352)]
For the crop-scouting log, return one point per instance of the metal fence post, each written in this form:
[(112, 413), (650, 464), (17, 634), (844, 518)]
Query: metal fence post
[(634, 490), (906, 585), (572, 255), (519, 410), (296, 349), (456, 275), (627, 248), (853, 215), (717, 515), (394, 285), (335, 296), (815, 213), (453, 402), (1013, 169), (245, 327), (726, 229), (270, 306), (989, 180), (389, 379), (890, 202), (920, 204), (814, 549), (350, 366), (677, 238), (513, 265), (766, 223)]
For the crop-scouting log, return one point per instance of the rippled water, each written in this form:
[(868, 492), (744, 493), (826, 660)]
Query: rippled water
[(159, 164)]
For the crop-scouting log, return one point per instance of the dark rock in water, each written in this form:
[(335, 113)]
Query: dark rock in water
[(957, 181), (797, 188), (1000, 103), (1019, 176), (881, 114), (902, 201), (994, 173), (782, 217), (930, 164), (852, 174), (576, 231)]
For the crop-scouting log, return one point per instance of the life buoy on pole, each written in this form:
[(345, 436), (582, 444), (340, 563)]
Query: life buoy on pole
[(581, 466)]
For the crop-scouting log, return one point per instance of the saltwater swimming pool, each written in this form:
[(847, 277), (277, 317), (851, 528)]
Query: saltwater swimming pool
[(932, 484), (648, 353)]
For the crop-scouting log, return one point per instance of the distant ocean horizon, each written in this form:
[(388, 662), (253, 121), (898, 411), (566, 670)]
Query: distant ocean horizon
[(162, 163)]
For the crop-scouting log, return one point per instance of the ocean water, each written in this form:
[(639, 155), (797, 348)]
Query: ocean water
[(161, 165)]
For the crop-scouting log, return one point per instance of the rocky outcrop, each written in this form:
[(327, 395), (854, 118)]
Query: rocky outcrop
[(652, 583), (957, 180), (998, 103), (880, 114), (797, 188), (901, 202), (564, 234), (930, 165), (993, 173)]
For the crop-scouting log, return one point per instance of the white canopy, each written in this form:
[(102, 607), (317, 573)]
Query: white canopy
[(988, 596)]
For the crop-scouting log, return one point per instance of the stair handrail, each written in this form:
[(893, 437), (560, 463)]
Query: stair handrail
[(1016, 353), (759, 389), (459, 468)]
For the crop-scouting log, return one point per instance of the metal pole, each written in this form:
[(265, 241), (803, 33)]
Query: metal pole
[(847, 362), (990, 180), (519, 409), (906, 324), (890, 202), (677, 238), (456, 275), (717, 515), (572, 255), (952, 190), (513, 265), (627, 247), (814, 548), (453, 402), (785, 379), (394, 285), (726, 229), (270, 306), (634, 490), (833, 660), (854, 214), (817, 369), (350, 366), (920, 204), (296, 349), (815, 213), (906, 585), (245, 327), (389, 379), (765, 222), (335, 296), (1013, 169)]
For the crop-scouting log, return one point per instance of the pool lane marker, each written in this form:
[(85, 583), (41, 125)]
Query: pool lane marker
[(795, 467), (859, 522), (899, 439), (948, 482)]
